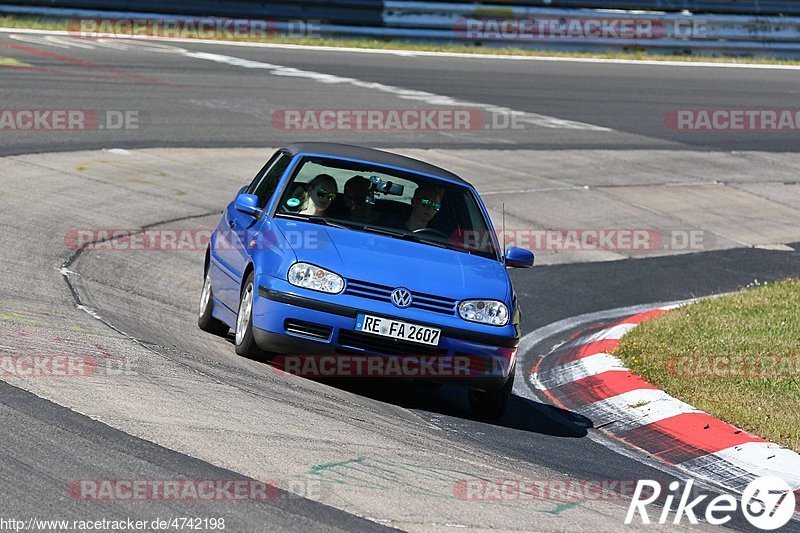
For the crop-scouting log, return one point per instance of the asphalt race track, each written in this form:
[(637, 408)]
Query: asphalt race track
[(167, 401), (198, 102)]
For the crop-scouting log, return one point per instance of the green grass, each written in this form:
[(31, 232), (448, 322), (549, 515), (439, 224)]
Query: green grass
[(53, 23), (761, 324)]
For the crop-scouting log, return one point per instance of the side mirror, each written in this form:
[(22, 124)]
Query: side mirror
[(247, 204), (518, 257)]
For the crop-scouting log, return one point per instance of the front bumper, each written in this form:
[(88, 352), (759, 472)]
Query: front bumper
[(487, 357)]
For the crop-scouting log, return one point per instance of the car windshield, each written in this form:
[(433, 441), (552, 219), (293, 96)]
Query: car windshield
[(375, 199)]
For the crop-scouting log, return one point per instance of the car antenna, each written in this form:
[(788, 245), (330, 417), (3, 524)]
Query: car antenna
[(504, 228)]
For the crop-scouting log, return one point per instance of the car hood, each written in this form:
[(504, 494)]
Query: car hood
[(394, 262)]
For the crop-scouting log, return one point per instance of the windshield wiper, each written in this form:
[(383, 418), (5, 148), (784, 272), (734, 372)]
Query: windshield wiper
[(405, 236), (381, 231), (314, 219), (417, 238)]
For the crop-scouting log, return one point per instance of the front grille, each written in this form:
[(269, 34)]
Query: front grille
[(307, 329), (382, 293), (384, 345)]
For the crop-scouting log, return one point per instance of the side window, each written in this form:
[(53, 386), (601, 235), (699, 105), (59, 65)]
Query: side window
[(271, 175), (253, 184)]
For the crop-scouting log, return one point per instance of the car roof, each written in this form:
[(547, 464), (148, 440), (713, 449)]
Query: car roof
[(349, 151)]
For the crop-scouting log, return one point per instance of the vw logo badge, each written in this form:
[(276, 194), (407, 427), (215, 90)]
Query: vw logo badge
[(401, 297)]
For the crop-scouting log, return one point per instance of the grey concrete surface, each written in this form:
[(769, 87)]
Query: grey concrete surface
[(186, 390)]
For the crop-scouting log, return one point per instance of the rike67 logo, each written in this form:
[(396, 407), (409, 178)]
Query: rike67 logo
[(768, 503)]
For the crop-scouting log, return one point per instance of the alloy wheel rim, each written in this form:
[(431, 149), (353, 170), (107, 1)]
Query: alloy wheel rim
[(243, 320), (205, 296)]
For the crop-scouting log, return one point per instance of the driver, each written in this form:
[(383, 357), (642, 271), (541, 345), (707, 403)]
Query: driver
[(356, 196), (427, 201)]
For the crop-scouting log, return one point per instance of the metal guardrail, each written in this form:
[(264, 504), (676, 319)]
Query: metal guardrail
[(451, 21), (450, 17), (732, 7), (527, 26), (349, 12)]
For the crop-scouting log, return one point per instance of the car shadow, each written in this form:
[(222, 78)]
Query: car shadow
[(521, 413), (529, 415), (441, 399)]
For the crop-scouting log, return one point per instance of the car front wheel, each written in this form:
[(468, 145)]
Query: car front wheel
[(245, 342), (491, 405)]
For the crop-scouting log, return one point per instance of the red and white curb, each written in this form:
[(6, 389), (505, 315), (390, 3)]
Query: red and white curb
[(582, 376)]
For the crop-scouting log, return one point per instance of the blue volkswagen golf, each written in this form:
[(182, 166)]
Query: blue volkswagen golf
[(340, 251)]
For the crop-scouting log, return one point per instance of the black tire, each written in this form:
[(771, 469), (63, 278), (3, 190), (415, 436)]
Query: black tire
[(205, 320), (491, 405), (245, 342)]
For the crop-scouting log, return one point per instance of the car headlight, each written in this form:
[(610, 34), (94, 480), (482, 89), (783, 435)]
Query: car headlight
[(315, 278), (484, 311)]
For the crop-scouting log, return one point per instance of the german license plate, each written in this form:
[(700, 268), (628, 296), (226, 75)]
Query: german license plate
[(396, 329)]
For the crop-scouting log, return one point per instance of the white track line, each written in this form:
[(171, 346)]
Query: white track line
[(614, 333), (755, 459), (535, 119), (531, 339), (520, 117), (579, 369), (635, 408)]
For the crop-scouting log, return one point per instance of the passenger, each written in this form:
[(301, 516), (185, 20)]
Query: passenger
[(356, 198), (427, 201), (321, 191)]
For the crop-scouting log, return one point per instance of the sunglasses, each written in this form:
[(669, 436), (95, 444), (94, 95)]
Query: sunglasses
[(322, 193), (429, 203)]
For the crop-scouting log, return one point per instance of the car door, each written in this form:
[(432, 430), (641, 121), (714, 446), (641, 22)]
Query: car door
[(236, 229), (265, 238)]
